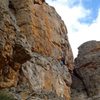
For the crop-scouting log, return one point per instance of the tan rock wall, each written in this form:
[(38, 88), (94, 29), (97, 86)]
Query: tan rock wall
[(35, 54)]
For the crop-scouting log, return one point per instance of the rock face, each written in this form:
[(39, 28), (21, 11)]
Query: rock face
[(86, 78), (35, 54)]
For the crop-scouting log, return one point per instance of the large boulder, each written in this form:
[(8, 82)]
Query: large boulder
[(87, 69)]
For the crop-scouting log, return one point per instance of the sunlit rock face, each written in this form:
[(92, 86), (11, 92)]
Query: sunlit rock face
[(35, 54), (87, 72)]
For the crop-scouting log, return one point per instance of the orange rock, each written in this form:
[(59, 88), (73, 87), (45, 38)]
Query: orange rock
[(35, 54)]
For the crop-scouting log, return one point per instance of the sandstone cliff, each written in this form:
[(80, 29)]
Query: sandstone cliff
[(86, 78), (35, 54)]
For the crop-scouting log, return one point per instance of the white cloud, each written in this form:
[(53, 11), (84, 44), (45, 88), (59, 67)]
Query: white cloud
[(85, 33), (78, 33)]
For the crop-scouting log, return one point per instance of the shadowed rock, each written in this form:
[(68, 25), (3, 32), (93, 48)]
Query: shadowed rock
[(87, 66)]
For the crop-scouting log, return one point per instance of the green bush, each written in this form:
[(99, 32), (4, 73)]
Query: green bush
[(6, 96)]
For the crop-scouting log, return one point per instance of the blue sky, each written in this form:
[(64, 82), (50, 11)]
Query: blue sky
[(93, 6), (82, 18)]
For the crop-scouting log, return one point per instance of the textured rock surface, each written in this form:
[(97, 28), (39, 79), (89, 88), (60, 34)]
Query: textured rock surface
[(35, 55), (87, 71)]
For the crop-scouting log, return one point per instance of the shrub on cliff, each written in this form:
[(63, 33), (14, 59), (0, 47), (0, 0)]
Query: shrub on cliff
[(5, 96)]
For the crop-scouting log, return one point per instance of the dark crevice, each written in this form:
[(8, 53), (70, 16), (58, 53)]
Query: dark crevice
[(79, 77), (11, 7), (38, 2), (87, 64)]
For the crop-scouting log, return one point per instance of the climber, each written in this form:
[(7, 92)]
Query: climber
[(63, 60)]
